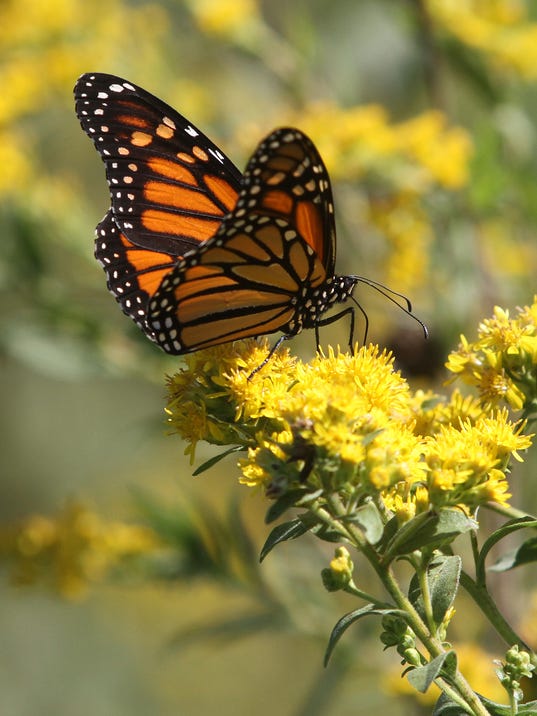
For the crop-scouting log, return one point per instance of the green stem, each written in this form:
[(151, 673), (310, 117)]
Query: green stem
[(434, 646), (426, 594), (351, 588), (451, 693)]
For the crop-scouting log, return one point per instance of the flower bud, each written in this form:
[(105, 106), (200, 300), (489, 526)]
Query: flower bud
[(339, 574)]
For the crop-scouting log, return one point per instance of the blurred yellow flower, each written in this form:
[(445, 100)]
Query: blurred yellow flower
[(402, 220), (415, 154), (43, 48), (500, 29), (224, 17), (73, 550)]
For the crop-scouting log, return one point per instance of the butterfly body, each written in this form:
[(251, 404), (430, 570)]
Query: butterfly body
[(194, 252)]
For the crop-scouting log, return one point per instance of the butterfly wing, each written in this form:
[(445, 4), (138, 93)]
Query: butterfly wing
[(286, 178), (170, 186), (133, 274), (254, 276)]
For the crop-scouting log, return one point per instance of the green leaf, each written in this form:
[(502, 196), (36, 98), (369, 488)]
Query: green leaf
[(282, 504), (216, 459), (526, 553), (286, 531), (327, 533), (430, 530), (390, 530), (345, 622), (443, 575), (368, 519), (446, 707), (423, 676), (496, 536)]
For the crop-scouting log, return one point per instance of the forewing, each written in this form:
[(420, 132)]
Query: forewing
[(170, 186), (286, 178)]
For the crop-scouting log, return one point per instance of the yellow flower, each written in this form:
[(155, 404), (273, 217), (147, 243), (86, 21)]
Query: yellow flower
[(394, 456), (403, 222), (348, 427), (445, 153), (404, 508), (465, 359), (501, 435), (271, 465), (347, 424), (494, 384), (502, 333), (502, 362), (201, 403), (466, 464), (258, 394), (431, 410), (528, 315)]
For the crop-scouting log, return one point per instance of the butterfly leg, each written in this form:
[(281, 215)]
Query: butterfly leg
[(317, 337), (274, 348), (350, 311)]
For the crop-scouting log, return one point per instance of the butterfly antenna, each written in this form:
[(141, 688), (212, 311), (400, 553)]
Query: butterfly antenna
[(392, 296)]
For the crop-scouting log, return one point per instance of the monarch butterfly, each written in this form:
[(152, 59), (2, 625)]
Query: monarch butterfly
[(196, 253)]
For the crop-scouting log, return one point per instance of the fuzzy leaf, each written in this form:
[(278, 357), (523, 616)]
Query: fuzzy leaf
[(423, 676), (446, 707), (368, 519), (443, 576), (431, 531)]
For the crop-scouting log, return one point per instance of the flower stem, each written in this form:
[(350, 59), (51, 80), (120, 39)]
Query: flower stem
[(426, 594), (336, 519)]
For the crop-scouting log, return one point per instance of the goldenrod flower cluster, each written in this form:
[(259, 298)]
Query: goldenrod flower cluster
[(499, 29), (73, 550), (345, 424), (502, 362)]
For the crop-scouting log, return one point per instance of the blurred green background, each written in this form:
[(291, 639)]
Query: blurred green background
[(424, 112)]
